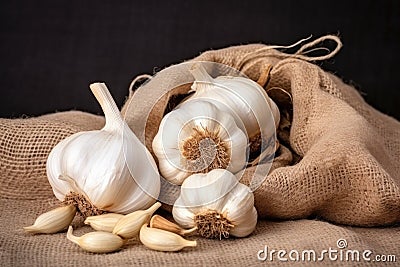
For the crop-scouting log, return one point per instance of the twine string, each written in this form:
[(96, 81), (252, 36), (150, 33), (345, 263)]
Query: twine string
[(301, 53)]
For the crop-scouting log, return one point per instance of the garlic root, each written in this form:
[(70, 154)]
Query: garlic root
[(160, 222)]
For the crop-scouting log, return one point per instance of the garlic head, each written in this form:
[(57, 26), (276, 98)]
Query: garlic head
[(104, 170), (198, 137), (217, 204), (243, 98)]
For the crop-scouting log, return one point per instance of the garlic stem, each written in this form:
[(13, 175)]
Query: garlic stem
[(200, 74), (113, 116), (153, 208), (189, 231)]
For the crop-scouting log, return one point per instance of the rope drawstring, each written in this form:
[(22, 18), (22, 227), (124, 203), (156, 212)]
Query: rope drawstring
[(300, 54)]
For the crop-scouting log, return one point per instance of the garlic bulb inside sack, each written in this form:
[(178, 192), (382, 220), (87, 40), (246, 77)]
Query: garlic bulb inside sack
[(253, 110), (196, 138), (217, 204), (104, 170)]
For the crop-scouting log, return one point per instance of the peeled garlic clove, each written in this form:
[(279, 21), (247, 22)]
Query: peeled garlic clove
[(97, 242), (129, 225), (162, 240), (53, 221), (105, 222), (160, 222)]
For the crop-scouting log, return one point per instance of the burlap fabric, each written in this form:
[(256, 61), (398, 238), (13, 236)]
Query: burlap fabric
[(345, 172)]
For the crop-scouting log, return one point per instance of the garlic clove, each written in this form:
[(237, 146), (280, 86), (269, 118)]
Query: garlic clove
[(105, 222), (171, 172), (53, 221), (162, 240), (183, 215), (245, 224), (239, 200), (207, 189), (160, 222), (97, 242), (129, 225)]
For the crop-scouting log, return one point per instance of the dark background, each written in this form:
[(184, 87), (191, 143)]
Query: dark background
[(51, 50)]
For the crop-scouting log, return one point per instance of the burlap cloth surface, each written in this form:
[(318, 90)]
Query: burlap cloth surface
[(346, 172), (20, 249)]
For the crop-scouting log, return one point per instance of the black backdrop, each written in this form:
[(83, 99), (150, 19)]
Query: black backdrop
[(51, 50)]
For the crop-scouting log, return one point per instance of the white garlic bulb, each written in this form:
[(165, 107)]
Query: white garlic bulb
[(217, 204), (196, 138), (107, 169), (243, 98)]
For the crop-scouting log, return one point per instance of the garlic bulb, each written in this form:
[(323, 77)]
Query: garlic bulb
[(104, 170), (196, 138), (243, 98), (217, 204)]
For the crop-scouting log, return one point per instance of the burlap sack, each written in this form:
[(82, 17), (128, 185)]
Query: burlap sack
[(341, 163)]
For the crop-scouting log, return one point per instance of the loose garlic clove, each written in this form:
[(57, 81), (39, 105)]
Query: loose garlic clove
[(217, 204), (162, 240), (129, 225), (53, 221), (105, 222), (160, 222), (97, 242)]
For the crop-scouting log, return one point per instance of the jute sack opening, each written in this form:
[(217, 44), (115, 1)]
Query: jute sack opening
[(339, 158)]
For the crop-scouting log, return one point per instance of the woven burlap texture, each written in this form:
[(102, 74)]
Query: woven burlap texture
[(348, 171), (20, 249)]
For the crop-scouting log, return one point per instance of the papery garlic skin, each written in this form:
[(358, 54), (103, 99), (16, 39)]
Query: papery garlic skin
[(196, 138), (217, 192), (110, 167), (243, 98), (162, 223)]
